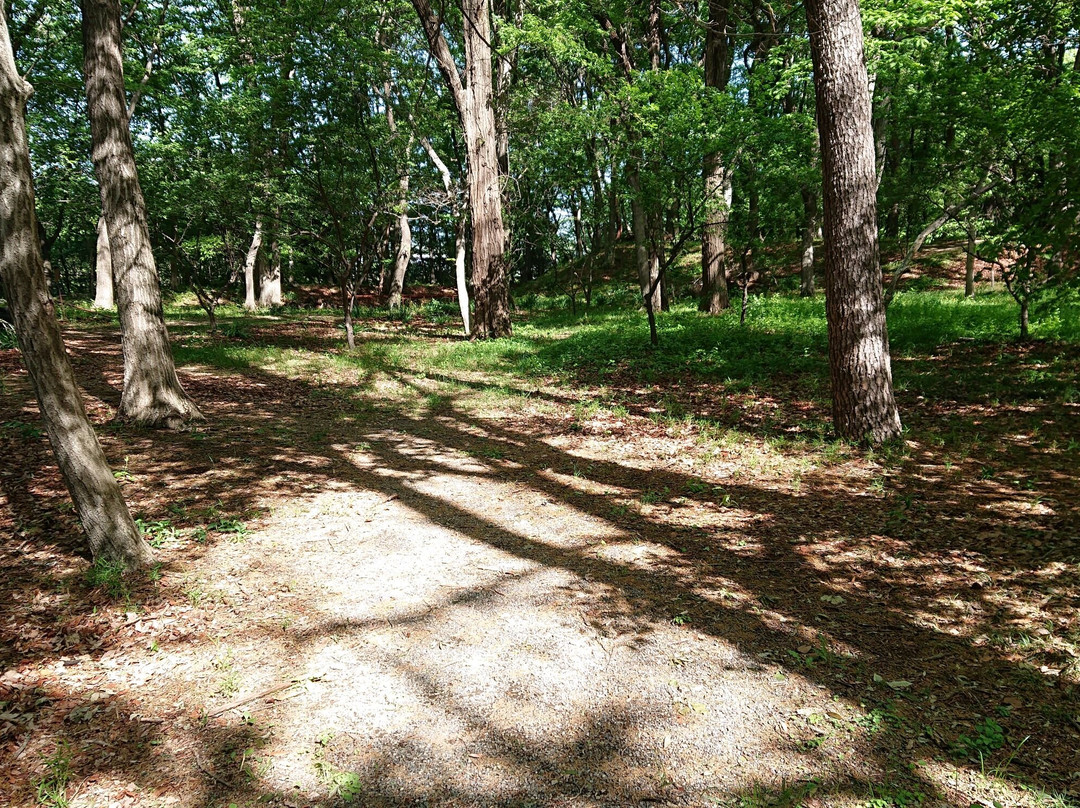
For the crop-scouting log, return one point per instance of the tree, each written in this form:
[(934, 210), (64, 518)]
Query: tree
[(717, 176), (864, 408), (152, 394), (473, 98), (109, 528)]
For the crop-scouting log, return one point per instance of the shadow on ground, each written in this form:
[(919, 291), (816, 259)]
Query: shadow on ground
[(820, 562)]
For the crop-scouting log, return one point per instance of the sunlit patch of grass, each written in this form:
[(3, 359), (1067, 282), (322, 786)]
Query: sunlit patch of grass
[(759, 391)]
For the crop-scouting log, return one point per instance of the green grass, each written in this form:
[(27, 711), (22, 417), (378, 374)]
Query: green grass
[(52, 786), (111, 576), (945, 347)]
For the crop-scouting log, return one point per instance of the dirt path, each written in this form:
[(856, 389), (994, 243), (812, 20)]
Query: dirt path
[(392, 606)]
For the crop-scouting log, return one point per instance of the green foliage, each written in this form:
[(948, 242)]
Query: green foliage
[(988, 737), (8, 338), (230, 526), (157, 532), (24, 430), (895, 797), (111, 576), (344, 785), (52, 786)]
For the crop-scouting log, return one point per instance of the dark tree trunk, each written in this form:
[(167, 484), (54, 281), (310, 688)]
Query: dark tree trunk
[(109, 528), (864, 408), (969, 264), (152, 393), (717, 176)]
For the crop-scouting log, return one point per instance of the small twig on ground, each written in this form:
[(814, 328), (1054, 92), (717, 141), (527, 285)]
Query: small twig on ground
[(209, 773), (24, 744), (371, 512), (269, 692)]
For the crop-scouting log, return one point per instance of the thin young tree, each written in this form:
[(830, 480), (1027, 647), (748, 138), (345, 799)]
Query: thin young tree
[(109, 528), (152, 394), (864, 408)]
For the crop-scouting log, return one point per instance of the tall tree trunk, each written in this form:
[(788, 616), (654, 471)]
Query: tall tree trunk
[(250, 265), (103, 297), (716, 176), (347, 298), (810, 223), (474, 101), (864, 408), (505, 64), (109, 528), (648, 266), (491, 292), (404, 250), (152, 393), (614, 223)]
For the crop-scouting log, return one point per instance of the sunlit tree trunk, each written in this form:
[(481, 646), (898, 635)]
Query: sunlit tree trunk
[(460, 274), (270, 274), (250, 262), (109, 528), (404, 246), (152, 394), (103, 296), (864, 408)]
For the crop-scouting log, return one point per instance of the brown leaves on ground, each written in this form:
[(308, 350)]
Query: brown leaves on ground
[(360, 601)]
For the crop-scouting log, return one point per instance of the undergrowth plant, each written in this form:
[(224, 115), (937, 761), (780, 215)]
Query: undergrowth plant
[(52, 786)]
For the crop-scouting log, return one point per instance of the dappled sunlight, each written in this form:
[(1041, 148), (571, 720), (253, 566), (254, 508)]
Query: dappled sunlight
[(465, 595)]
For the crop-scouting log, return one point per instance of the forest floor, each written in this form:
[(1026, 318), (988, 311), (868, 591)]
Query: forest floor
[(391, 581)]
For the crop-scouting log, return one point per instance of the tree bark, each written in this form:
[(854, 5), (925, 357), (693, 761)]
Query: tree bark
[(648, 265), (250, 261), (864, 408), (152, 393), (474, 101), (716, 175), (270, 274), (404, 250), (110, 531), (103, 297)]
